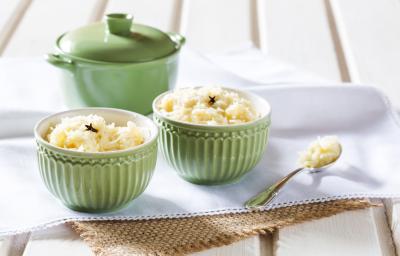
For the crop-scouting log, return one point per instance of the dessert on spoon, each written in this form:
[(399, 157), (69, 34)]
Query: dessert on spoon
[(320, 155)]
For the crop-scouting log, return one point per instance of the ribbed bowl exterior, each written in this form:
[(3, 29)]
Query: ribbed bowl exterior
[(97, 184), (212, 156)]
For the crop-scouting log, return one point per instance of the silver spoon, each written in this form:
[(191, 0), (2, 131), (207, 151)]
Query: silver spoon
[(266, 196)]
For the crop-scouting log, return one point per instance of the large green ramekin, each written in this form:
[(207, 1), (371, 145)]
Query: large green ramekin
[(97, 182), (214, 154)]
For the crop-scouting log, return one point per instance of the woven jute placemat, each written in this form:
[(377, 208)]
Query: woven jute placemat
[(181, 236)]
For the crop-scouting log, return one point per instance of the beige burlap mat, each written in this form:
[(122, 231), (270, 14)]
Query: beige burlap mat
[(186, 235)]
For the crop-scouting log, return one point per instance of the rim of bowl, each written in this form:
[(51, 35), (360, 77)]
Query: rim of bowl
[(38, 137), (99, 62), (248, 95)]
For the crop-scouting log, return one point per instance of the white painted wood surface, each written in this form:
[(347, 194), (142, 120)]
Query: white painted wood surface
[(298, 32), (60, 241), (166, 15), (370, 35), (393, 216), (361, 232), (11, 13), (217, 25), (257, 246), (43, 22), (340, 40)]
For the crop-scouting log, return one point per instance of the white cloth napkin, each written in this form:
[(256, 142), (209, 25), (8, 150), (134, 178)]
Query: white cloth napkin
[(360, 115)]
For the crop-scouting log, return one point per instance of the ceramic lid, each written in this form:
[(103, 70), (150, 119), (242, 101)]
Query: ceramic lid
[(117, 40)]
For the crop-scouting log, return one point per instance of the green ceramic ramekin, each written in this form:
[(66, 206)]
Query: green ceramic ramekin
[(214, 154), (97, 182)]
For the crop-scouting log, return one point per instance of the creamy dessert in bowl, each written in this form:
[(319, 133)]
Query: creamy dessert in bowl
[(92, 134), (212, 135), (207, 106), (96, 159)]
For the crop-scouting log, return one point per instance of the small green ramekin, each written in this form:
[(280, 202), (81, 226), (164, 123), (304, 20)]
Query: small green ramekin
[(96, 182), (214, 154)]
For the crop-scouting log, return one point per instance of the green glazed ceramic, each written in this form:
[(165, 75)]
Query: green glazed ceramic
[(96, 182), (117, 63), (214, 154)]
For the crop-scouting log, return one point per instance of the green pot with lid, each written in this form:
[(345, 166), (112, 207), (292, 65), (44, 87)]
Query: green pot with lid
[(116, 63)]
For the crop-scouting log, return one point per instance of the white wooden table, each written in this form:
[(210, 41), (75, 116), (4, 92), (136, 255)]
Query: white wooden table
[(342, 40)]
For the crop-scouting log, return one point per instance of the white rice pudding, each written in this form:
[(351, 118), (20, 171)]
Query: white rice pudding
[(207, 105), (92, 134), (321, 152)]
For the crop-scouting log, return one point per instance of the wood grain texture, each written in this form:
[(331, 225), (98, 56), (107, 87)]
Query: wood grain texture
[(43, 22), (351, 233), (370, 34), (298, 32)]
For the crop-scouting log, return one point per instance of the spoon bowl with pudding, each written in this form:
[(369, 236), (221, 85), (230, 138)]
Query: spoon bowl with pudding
[(320, 155)]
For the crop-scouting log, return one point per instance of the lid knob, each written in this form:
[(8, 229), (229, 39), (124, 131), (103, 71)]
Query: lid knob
[(119, 23)]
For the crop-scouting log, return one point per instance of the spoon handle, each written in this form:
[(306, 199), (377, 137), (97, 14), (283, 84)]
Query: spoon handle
[(267, 195)]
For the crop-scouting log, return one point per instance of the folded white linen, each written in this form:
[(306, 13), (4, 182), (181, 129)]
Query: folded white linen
[(360, 116)]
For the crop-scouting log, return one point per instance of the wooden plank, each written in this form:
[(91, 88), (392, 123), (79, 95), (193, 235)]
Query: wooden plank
[(370, 35), (59, 240), (371, 39), (393, 216), (43, 22), (298, 32), (98, 11), (266, 245), (14, 245), (165, 16), (11, 12), (351, 233), (62, 240), (257, 246), (305, 34), (7, 10), (383, 230), (216, 25)]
